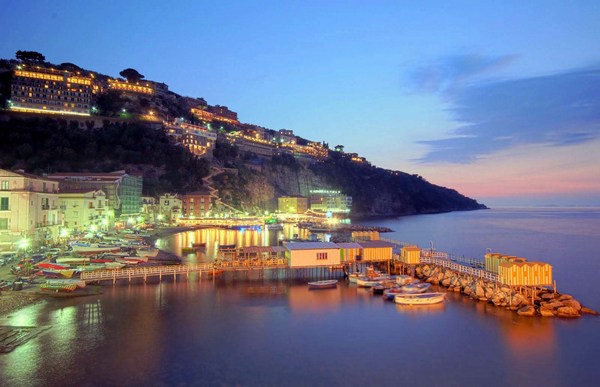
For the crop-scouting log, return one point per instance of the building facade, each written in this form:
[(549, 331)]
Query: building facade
[(196, 205), (28, 208), (302, 254), (123, 191), (333, 201), (46, 90), (84, 210), (293, 204), (169, 206)]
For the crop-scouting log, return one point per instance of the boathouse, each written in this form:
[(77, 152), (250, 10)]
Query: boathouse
[(365, 235), (410, 255), (523, 273), (303, 254), (349, 252), (493, 260), (376, 250)]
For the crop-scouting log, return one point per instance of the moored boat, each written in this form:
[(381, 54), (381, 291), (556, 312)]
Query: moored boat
[(391, 292), (403, 279), (419, 299), (327, 284), (416, 288)]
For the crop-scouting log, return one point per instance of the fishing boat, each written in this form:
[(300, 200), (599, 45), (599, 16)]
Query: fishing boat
[(62, 282), (58, 288), (403, 279), (390, 293), (416, 288), (419, 299), (53, 266), (72, 260), (149, 252), (327, 284), (89, 249)]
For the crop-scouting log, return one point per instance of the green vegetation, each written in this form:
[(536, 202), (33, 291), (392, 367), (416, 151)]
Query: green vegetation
[(47, 145)]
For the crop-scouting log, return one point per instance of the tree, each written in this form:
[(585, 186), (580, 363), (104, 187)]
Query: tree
[(30, 56), (131, 75), (339, 148)]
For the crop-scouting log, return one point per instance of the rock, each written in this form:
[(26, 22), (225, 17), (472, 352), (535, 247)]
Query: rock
[(573, 304), (567, 311), (467, 290), (547, 312), (547, 296), (528, 311), (479, 291), (589, 311), (565, 297), (457, 288), (489, 292), (446, 282), (426, 270), (551, 305)]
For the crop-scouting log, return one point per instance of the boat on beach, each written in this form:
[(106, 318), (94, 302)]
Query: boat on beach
[(419, 299), (326, 284)]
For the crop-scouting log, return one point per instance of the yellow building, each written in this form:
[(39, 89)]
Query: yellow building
[(523, 273), (45, 90), (410, 254), (84, 209), (375, 250), (365, 235), (349, 252), (492, 260), (141, 88), (293, 204)]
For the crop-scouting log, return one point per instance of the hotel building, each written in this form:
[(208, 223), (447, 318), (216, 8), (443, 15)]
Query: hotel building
[(196, 205), (46, 90)]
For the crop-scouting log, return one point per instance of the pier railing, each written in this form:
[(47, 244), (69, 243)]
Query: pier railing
[(461, 268), (144, 272)]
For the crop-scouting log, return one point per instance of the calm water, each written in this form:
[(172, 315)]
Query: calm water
[(271, 334)]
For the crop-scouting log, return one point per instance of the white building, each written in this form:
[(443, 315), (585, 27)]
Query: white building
[(84, 210), (301, 254), (28, 208), (170, 207)]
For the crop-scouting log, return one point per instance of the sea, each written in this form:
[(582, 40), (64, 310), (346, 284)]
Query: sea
[(231, 331)]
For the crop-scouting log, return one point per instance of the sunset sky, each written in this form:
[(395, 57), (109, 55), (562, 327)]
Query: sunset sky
[(498, 100)]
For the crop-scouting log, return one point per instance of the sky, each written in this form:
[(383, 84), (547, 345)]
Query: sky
[(498, 100)]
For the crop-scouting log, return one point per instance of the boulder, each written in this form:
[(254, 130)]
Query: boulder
[(446, 282), (572, 304), (479, 291), (546, 312), (457, 288), (567, 311), (547, 296), (426, 270), (528, 311), (589, 311), (565, 297)]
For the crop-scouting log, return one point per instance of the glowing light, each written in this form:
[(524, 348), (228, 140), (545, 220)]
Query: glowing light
[(93, 228), (23, 243)]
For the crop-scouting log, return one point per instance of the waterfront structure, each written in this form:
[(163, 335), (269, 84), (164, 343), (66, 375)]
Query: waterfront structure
[(50, 91), (492, 261), (375, 250), (84, 209), (28, 207), (523, 273), (410, 255), (333, 201), (365, 235), (122, 190), (293, 204), (169, 207), (304, 254), (349, 251), (196, 205)]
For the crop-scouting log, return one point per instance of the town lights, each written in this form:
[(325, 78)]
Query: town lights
[(160, 217), (93, 228), (130, 221), (23, 243), (64, 233)]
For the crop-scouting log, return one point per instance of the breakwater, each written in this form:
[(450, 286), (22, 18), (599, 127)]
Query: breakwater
[(525, 300)]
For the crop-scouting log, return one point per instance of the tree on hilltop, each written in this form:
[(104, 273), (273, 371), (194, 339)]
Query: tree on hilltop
[(30, 56), (132, 75)]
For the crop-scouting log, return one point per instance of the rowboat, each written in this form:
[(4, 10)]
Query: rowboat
[(63, 282), (403, 279), (58, 288), (419, 299), (72, 260), (391, 292), (416, 288), (327, 284), (149, 252)]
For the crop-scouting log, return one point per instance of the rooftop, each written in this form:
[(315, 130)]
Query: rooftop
[(310, 245)]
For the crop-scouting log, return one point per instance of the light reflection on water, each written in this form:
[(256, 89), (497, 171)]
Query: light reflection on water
[(255, 333)]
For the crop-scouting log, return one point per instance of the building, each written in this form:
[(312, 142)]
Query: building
[(149, 209), (142, 87), (28, 208), (349, 251), (285, 136), (209, 113), (84, 209), (293, 204), (524, 273), (333, 201), (302, 254), (169, 207), (123, 191), (365, 235), (375, 250), (197, 139), (493, 260), (196, 205), (410, 255), (51, 91)]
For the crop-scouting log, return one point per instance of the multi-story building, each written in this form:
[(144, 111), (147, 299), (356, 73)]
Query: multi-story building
[(28, 207), (46, 90), (285, 136), (84, 209), (198, 139), (149, 209), (169, 207), (141, 87), (330, 201), (293, 204), (123, 191), (196, 205), (209, 113)]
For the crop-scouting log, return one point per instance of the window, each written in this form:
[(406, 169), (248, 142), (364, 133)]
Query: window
[(4, 204), (3, 223), (4, 185), (321, 256)]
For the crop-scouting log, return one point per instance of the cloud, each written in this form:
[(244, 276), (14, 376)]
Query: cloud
[(452, 72), (557, 110)]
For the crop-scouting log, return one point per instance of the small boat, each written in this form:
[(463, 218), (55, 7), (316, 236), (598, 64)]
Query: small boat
[(353, 277), (416, 288), (62, 282), (72, 260), (391, 292), (58, 288), (53, 266), (149, 252), (327, 284), (403, 279), (419, 299)]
